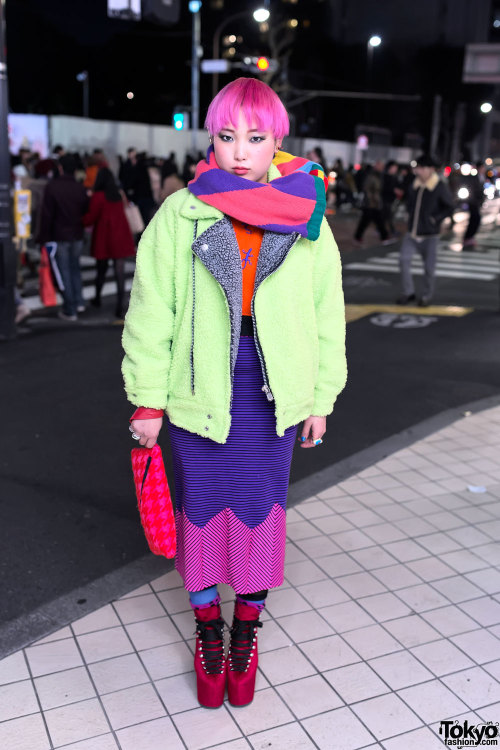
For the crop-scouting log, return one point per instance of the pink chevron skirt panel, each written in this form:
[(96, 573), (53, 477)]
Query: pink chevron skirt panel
[(230, 499)]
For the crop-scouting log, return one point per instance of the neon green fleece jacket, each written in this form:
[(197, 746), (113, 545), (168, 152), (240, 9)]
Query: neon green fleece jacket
[(182, 327)]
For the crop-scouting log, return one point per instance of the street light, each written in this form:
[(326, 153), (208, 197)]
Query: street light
[(486, 108), (83, 77), (196, 53), (260, 15), (374, 41)]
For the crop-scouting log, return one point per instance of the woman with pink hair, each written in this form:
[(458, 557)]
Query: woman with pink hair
[(235, 331)]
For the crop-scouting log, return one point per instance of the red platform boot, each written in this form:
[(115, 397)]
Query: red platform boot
[(209, 662), (243, 655)]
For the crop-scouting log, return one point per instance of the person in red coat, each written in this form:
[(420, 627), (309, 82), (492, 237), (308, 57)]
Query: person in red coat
[(111, 238)]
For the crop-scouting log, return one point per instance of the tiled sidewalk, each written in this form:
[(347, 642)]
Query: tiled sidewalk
[(388, 623)]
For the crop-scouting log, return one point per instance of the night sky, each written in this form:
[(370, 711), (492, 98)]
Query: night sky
[(50, 41)]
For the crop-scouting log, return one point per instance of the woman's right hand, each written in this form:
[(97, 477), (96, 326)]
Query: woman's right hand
[(148, 430)]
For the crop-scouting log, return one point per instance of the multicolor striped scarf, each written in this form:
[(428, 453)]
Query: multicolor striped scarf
[(293, 202)]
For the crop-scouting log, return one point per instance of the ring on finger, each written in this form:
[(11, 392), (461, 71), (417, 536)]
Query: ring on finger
[(135, 436)]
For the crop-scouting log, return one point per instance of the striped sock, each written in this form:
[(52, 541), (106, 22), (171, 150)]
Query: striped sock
[(259, 604)]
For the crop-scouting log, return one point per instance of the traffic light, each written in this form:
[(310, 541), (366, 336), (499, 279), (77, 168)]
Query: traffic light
[(260, 64), (180, 120)]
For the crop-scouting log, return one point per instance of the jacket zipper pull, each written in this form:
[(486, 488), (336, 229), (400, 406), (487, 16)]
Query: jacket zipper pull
[(268, 392)]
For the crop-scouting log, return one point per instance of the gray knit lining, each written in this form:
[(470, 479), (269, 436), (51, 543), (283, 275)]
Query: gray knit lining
[(218, 250)]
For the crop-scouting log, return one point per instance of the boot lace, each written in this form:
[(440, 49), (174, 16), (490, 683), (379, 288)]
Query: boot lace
[(242, 638), (211, 635)]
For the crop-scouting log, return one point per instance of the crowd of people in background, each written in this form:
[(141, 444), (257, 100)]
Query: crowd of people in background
[(380, 190), (72, 191), (425, 197)]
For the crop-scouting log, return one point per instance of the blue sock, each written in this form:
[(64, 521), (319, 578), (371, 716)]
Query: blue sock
[(203, 597)]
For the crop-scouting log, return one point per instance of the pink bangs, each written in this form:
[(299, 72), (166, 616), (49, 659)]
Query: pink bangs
[(258, 102)]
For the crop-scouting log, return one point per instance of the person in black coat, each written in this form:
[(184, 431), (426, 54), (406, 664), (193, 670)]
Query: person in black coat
[(429, 203), (127, 174), (65, 201), (372, 208), (475, 185), (389, 188), (135, 181)]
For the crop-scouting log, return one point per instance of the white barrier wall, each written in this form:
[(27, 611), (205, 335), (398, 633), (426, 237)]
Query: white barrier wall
[(350, 154), (81, 134)]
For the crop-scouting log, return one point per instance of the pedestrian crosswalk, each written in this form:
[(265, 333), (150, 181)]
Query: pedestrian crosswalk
[(32, 299), (451, 264)]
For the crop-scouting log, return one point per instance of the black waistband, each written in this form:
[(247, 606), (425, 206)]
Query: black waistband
[(246, 325)]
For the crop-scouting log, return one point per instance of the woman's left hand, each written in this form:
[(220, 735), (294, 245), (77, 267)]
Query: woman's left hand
[(313, 430)]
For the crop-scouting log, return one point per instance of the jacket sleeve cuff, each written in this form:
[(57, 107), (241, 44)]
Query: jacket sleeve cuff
[(144, 413), (323, 405)]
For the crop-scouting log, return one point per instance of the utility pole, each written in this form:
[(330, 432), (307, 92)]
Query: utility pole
[(86, 96), (7, 251), (83, 78), (195, 8), (436, 125), (458, 127)]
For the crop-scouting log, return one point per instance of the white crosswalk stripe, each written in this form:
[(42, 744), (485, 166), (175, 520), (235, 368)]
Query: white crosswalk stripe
[(484, 266)]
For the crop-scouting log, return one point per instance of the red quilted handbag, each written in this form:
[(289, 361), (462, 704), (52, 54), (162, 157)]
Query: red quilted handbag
[(153, 498)]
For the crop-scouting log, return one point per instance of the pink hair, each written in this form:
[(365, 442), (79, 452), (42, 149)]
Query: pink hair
[(258, 102)]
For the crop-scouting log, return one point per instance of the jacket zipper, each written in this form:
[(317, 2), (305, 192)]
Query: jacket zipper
[(193, 279), (265, 387)]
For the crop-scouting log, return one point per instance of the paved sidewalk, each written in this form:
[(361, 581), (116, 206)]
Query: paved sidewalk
[(388, 623)]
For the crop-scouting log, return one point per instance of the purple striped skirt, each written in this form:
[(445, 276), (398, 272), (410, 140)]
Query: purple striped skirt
[(231, 497)]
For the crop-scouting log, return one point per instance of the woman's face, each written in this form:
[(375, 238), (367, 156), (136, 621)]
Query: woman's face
[(245, 150)]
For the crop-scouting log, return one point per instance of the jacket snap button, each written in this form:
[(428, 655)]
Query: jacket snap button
[(204, 247), (206, 429), (191, 206), (209, 416)]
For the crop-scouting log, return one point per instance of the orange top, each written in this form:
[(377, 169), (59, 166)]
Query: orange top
[(91, 176), (249, 240)]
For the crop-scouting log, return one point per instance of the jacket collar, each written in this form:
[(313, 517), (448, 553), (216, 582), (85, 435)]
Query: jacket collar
[(194, 208), (429, 185)]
